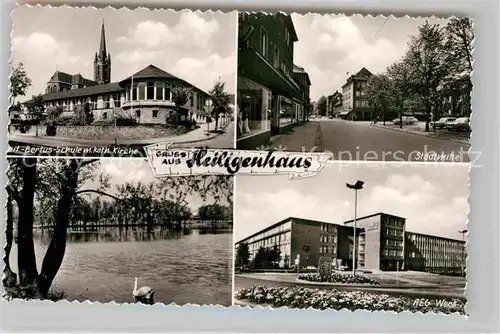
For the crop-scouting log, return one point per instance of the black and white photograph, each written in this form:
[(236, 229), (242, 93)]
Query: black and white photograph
[(94, 78), (108, 230), (361, 87), (373, 236)]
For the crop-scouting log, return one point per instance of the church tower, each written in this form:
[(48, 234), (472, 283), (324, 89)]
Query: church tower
[(102, 62)]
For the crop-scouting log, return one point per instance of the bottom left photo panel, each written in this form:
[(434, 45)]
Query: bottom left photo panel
[(108, 230)]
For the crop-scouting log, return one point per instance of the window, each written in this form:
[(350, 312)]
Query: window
[(276, 59), (168, 94), (159, 91), (104, 115), (191, 98), (134, 92), (138, 113), (263, 42), (150, 91), (155, 113), (117, 100), (106, 102), (141, 86)]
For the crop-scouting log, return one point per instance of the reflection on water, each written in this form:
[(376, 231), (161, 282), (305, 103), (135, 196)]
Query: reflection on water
[(187, 266)]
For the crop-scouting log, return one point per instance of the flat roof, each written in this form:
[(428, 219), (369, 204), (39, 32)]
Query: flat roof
[(270, 227)]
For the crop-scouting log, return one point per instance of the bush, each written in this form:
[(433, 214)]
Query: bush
[(51, 130), (126, 122), (338, 278), (299, 297)]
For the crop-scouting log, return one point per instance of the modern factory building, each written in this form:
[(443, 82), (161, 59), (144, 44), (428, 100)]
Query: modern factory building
[(382, 244)]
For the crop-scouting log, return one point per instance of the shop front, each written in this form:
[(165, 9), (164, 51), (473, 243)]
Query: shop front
[(254, 112)]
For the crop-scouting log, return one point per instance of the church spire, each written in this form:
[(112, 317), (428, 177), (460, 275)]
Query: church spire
[(102, 61), (102, 47)]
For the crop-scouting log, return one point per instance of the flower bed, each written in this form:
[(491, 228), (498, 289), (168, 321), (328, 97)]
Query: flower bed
[(338, 278), (299, 297)]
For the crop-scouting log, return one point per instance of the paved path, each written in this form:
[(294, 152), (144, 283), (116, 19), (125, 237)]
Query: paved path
[(359, 141), (224, 140)]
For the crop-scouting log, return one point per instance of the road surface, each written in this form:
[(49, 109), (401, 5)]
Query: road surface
[(359, 141)]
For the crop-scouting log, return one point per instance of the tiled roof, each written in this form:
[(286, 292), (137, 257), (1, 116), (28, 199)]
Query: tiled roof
[(82, 92), (151, 71), (61, 76)]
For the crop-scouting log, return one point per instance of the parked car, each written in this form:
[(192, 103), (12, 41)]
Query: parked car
[(443, 122), (460, 124), (407, 120)]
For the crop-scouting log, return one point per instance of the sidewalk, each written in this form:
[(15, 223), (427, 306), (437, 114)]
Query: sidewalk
[(419, 129), (198, 135)]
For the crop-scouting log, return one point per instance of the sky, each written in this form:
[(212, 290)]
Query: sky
[(135, 170), (432, 197), (197, 47), (330, 46)]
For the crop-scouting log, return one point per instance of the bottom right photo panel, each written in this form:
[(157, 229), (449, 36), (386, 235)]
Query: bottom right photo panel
[(388, 237)]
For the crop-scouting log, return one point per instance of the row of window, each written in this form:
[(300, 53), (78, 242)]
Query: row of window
[(283, 227), (392, 252), (324, 249), (394, 232), (267, 47), (325, 227), (328, 238), (280, 238), (389, 242), (392, 221), (158, 91)]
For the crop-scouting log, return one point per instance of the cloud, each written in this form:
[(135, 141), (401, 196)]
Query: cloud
[(212, 67), (330, 46), (432, 201), (192, 30), (41, 54), (138, 56)]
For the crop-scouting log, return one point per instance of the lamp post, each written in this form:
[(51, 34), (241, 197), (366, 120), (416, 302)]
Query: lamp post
[(462, 232), (357, 186)]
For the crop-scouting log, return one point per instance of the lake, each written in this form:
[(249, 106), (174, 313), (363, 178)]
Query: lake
[(190, 266)]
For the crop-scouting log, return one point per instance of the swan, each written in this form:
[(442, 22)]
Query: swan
[(144, 295)]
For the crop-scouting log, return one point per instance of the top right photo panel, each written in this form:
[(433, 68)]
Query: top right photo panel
[(359, 87)]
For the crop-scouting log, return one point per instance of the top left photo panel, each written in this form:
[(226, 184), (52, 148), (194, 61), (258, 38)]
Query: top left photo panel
[(107, 82)]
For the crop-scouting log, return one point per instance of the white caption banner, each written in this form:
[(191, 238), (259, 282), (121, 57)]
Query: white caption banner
[(190, 161)]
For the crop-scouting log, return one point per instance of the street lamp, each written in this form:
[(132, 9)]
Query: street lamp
[(462, 232), (357, 186)]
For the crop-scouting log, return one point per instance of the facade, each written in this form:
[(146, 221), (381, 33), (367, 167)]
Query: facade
[(302, 78), (145, 96), (304, 239), (382, 244), (334, 104), (268, 96), (355, 104)]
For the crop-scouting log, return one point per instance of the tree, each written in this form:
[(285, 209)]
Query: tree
[(19, 82), (242, 255), (221, 101), (29, 181), (180, 96), (322, 106), (428, 65), (36, 109), (83, 114), (459, 43), (379, 90)]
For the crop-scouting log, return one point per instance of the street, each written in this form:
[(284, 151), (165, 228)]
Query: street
[(359, 141)]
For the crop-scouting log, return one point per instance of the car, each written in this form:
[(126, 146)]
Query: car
[(443, 122), (407, 120), (460, 124)]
